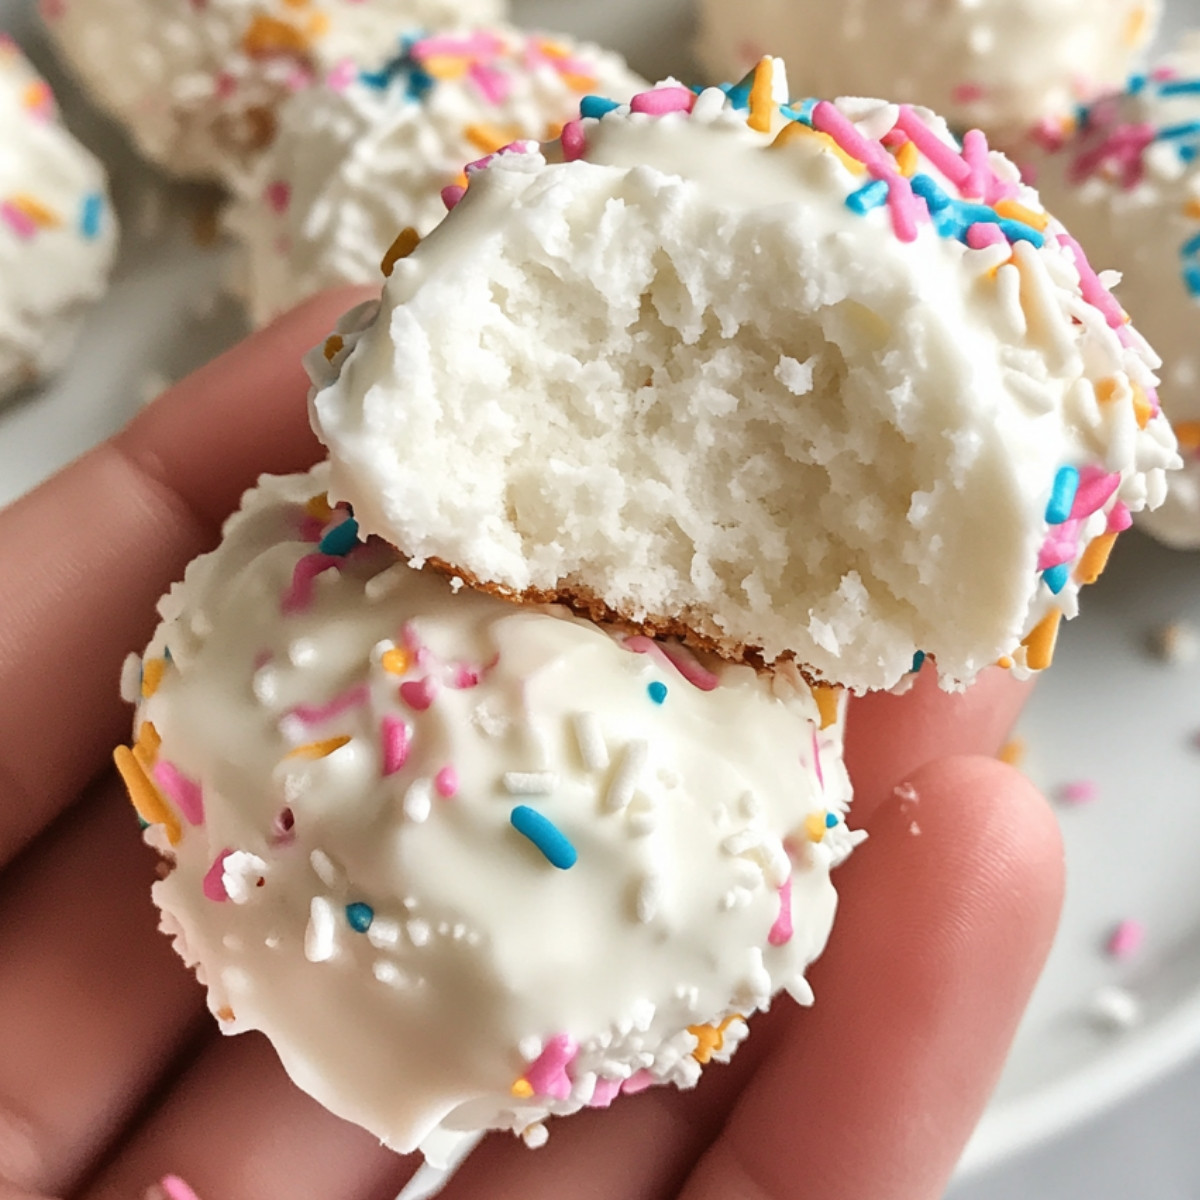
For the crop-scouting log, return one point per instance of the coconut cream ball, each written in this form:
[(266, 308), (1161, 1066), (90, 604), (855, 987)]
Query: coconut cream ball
[(369, 153), (1124, 177), (198, 86), (997, 64), (797, 382), (57, 230), (468, 864)]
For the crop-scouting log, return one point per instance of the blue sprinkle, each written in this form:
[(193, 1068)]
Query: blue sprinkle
[(1170, 133), (360, 916), (1179, 87), (870, 195), (340, 540), (1062, 496), (1056, 577), (374, 79), (167, 653), (657, 690), (1190, 247), (927, 188), (918, 661), (803, 113), (831, 819), (89, 217), (1191, 280), (545, 835), (1188, 153), (1136, 84), (596, 106), (142, 824), (1018, 231)]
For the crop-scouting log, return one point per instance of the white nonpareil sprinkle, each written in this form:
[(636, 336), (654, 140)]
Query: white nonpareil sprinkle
[(627, 776), (592, 747), (1116, 1008), (418, 801), (389, 973), (419, 932), (536, 1136), (240, 873), (530, 783), (131, 678), (649, 897), (320, 938), (383, 933), (327, 871)]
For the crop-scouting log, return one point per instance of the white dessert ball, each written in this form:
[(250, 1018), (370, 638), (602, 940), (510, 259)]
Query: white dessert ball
[(467, 864), (810, 383), (369, 152), (58, 234), (996, 64), (198, 86)]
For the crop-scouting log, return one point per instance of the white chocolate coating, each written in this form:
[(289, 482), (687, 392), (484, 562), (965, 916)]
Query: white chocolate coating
[(198, 85), (1126, 180), (698, 817), (994, 64), (57, 231), (686, 375), (368, 153)]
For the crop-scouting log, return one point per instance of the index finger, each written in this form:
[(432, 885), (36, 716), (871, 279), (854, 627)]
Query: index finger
[(89, 552)]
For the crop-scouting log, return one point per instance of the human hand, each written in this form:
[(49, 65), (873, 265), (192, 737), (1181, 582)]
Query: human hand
[(112, 1074)]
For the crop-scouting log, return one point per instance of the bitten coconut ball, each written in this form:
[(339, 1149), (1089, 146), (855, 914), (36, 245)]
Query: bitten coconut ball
[(996, 64), (466, 864), (57, 231), (369, 154), (198, 86), (802, 382), (1123, 175)]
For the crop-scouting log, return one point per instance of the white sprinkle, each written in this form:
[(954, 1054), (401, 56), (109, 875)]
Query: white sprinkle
[(535, 1136), (456, 584), (383, 933), (641, 815), (293, 730), (592, 747), (742, 841), (131, 678), (914, 829), (386, 582), (748, 873), (295, 784), (443, 928), (736, 897), (490, 722), (231, 941), (320, 943), (1176, 642), (272, 941), (649, 897), (643, 1014), (329, 873), (753, 990), (418, 801), (458, 932), (625, 780), (776, 866), (235, 979), (906, 793), (265, 685), (240, 873), (1116, 1008), (419, 932), (379, 650), (530, 783), (302, 652), (530, 1047), (801, 991), (749, 805), (389, 973)]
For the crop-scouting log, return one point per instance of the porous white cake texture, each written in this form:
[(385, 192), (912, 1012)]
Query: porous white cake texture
[(811, 381), (58, 234), (198, 85), (467, 864), (996, 64), (1123, 175), (369, 153)]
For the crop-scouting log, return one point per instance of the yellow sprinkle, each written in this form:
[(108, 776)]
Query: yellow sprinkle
[(992, 272), (1013, 211), (553, 131), (333, 344), (710, 1038), (265, 36), (1188, 434), (321, 749), (578, 83), (522, 1089), (826, 695), (553, 49), (35, 210), (1012, 752), (318, 25), (814, 826), (396, 661), (487, 139), (145, 797), (445, 66), (296, 3), (1141, 407), (148, 742), (1095, 558), (152, 675), (318, 506), (1137, 26), (407, 240), (907, 159), (761, 105), (1039, 645), (797, 129)]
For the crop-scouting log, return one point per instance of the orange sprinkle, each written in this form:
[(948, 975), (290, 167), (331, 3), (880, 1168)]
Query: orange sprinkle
[(797, 129), (1012, 752), (907, 159), (1095, 558), (269, 35), (522, 1089), (396, 661), (36, 95), (35, 210), (826, 696), (1039, 645), (461, 180), (296, 3), (148, 742), (318, 506), (152, 675), (710, 1038), (552, 49), (1106, 390), (318, 25), (1192, 209), (407, 240), (579, 83), (553, 131), (144, 796), (1141, 407), (333, 344), (1188, 434), (1018, 212), (1004, 663), (1137, 26), (487, 139), (321, 749), (814, 826), (445, 66), (225, 1013), (761, 105)]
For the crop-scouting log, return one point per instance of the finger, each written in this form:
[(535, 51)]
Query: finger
[(888, 737), (942, 932), (90, 552), (236, 1128), (95, 1004)]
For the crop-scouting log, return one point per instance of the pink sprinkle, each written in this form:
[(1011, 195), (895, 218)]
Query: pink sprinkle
[(299, 78), (299, 594), (445, 782), (174, 1188), (419, 694), (185, 793), (283, 828), (606, 1092), (224, 85), (1094, 292), (20, 222), (1078, 791), (493, 85), (548, 1074), (1118, 517), (395, 738), (982, 234), (983, 180), (465, 677), (573, 141), (1060, 546), (476, 45), (342, 75), (52, 10), (317, 714), (967, 93), (278, 195), (1096, 485), (817, 759), (639, 1081), (1126, 940), (660, 101), (781, 931), (214, 883), (261, 659), (678, 657), (452, 195), (933, 148), (894, 138), (1120, 149), (1050, 135), (312, 529)]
